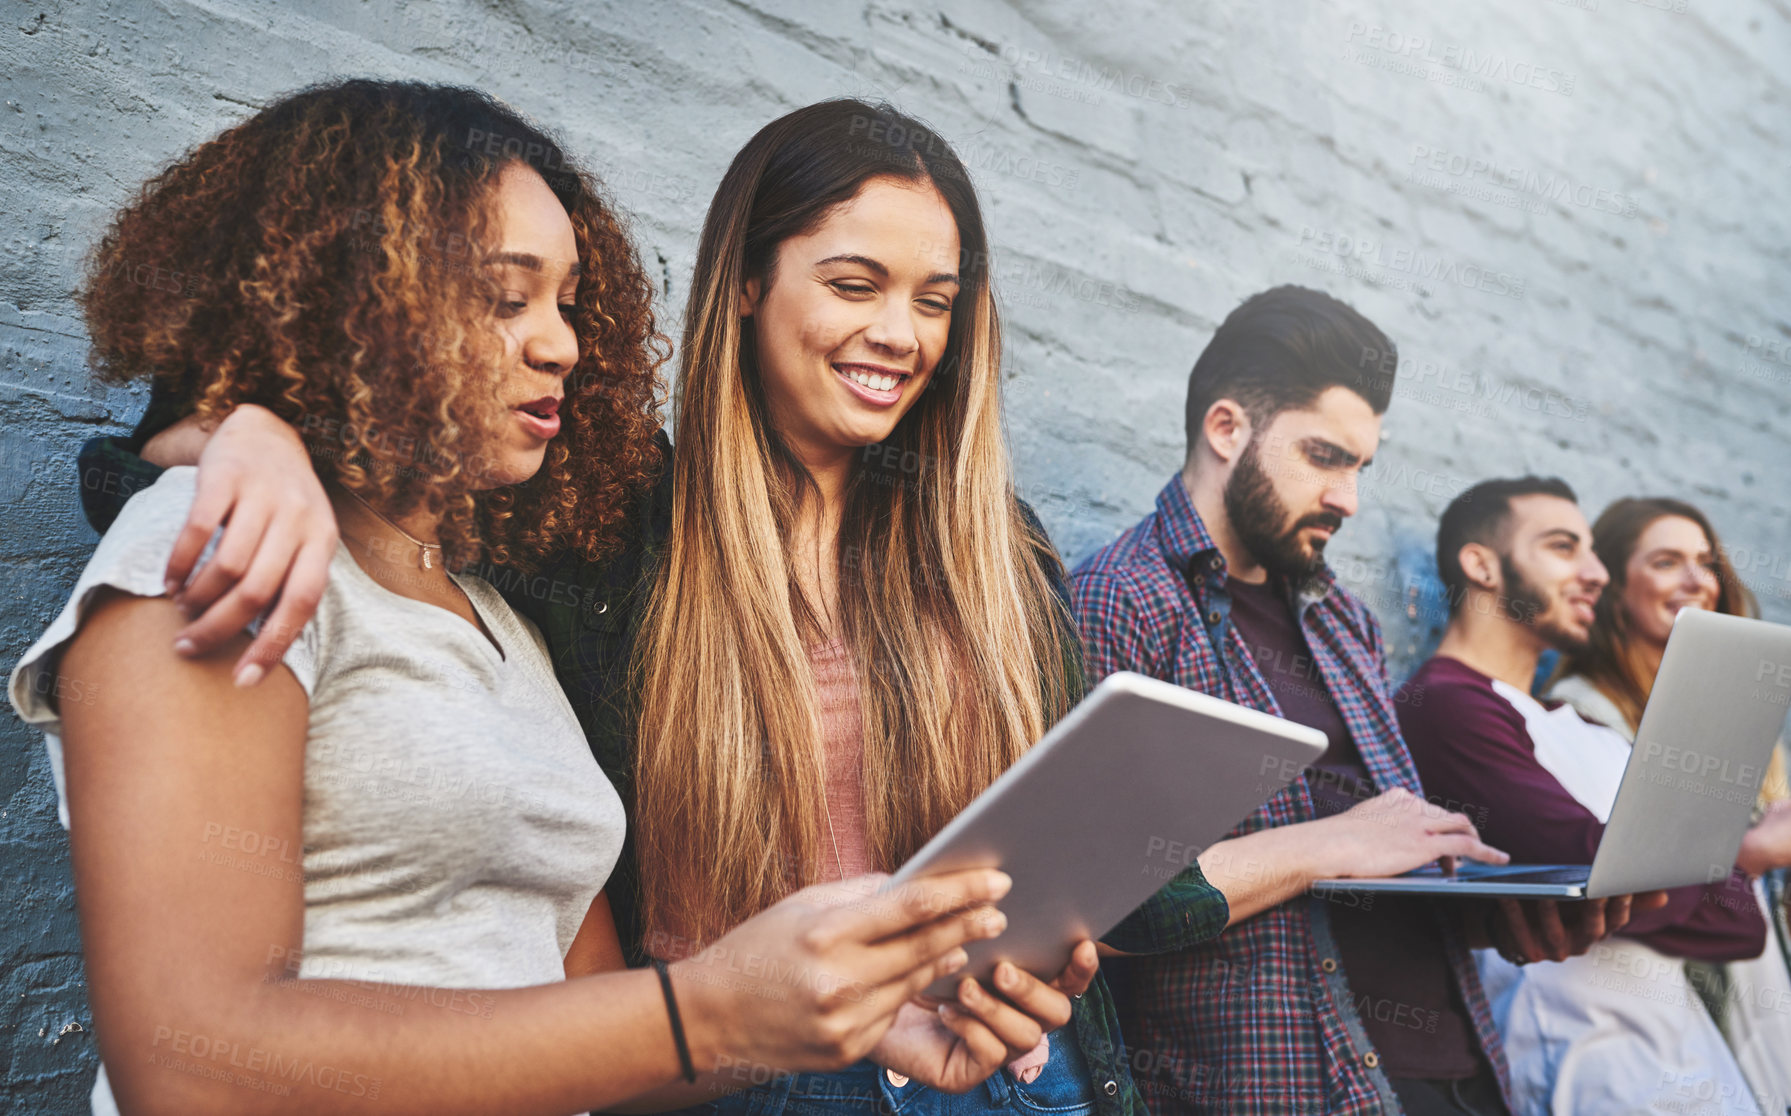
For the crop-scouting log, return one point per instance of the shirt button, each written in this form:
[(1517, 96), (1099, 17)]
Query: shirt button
[(1212, 617), (1329, 965), (895, 1078), (598, 608), (1371, 1060), (1111, 1088), (1217, 562)]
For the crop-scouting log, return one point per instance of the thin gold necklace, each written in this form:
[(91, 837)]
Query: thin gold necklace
[(839, 863), (423, 548)]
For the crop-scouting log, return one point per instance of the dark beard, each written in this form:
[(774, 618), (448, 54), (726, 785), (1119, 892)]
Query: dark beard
[(1260, 521), (1528, 606)]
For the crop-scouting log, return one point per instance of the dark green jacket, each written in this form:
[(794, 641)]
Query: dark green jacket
[(589, 614)]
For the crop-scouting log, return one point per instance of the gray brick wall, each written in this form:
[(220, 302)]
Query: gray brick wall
[(1570, 214)]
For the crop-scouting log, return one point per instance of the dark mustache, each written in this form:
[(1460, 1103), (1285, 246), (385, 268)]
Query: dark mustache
[(1322, 519)]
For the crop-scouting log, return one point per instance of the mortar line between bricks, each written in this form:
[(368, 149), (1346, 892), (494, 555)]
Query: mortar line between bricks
[(43, 329), (45, 392)]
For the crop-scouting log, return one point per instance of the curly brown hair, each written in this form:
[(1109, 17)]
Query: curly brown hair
[(324, 259)]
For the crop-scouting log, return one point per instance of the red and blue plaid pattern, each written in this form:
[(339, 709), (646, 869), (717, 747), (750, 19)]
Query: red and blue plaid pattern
[(1259, 1020)]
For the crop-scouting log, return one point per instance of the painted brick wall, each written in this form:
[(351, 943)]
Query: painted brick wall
[(1572, 216)]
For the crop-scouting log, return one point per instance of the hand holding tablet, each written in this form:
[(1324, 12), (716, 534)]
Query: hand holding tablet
[(1117, 800)]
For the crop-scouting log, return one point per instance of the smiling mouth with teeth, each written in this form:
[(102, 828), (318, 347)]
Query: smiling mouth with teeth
[(871, 379)]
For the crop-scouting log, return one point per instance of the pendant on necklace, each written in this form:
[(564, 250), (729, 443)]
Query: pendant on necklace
[(426, 564)]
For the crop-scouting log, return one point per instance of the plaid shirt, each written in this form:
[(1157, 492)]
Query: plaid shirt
[(1260, 1020)]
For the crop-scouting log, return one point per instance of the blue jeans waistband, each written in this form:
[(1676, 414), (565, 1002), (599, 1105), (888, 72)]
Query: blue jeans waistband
[(1063, 1088)]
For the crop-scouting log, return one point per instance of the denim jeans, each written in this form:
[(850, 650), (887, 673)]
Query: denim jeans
[(1062, 1088)]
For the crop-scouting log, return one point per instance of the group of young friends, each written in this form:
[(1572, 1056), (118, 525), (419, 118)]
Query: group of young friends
[(431, 729)]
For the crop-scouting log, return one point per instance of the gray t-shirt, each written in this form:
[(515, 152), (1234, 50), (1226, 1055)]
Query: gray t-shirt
[(456, 826)]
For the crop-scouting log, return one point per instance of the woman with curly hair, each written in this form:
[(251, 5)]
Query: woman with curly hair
[(369, 868)]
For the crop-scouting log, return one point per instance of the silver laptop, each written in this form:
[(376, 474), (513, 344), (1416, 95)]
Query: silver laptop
[(1716, 711), (1117, 800)]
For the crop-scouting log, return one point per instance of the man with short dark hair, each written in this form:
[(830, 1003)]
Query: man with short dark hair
[(1370, 1003), (1590, 1035), (1483, 516)]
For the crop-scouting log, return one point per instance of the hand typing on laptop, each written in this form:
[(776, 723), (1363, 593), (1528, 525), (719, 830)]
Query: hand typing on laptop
[(1393, 832)]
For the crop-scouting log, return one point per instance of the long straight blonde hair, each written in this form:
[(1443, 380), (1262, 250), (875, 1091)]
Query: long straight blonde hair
[(945, 588)]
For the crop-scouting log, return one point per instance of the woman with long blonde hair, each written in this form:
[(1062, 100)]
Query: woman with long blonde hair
[(812, 513), (853, 629), (832, 623)]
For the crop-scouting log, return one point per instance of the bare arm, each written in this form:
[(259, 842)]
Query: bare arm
[(596, 948), (180, 444), (1390, 833), (196, 1011), (951, 1048)]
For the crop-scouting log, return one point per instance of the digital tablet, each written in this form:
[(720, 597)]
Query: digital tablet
[(1112, 804)]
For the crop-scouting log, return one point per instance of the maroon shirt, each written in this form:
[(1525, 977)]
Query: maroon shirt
[(1471, 745), (1398, 968)]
